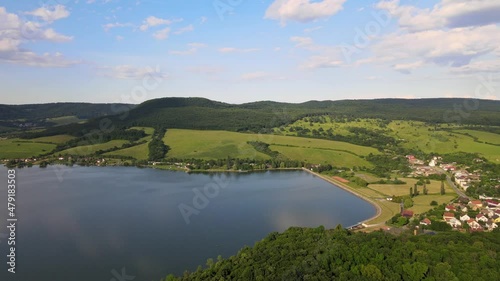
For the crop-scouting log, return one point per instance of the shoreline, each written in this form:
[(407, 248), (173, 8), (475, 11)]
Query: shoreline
[(350, 190)]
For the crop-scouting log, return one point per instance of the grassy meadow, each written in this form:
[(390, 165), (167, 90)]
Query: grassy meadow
[(17, 148), (221, 144), (54, 139), (404, 189), (90, 149)]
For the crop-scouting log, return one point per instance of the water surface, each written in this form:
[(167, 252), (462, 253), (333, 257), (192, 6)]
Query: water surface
[(82, 223)]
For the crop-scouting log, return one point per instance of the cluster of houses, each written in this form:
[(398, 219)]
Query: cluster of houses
[(457, 215), (463, 178), (419, 168)]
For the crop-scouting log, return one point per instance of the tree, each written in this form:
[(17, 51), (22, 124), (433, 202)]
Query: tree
[(425, 189), (442, 188), (411, 191), (415, 191), (408, 203)]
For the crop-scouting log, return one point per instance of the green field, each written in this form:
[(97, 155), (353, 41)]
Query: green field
[(482, 136), (210, 144), (91, 149), (322, 156), (404, 189), (16, 148), (221, 144), (54, 139), (421, 203), (65, 120), (139, 152)]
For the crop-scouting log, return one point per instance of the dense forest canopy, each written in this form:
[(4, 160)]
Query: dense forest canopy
[(319, 254)]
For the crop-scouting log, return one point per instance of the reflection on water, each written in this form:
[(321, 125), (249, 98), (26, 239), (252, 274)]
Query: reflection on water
[(97, 220)]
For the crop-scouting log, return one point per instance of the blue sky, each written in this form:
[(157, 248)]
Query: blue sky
[(242, 51)]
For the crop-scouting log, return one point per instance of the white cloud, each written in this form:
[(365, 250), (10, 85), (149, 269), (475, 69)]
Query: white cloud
[(31, 59), (455, 47), (192, 49), (236, 50), (153, 21), (14, 33), (406, 68), (447, 13), (322, 62), (324, 56), (119, 38), (492, 66), (51, 35), (185, 29), (109, 26), (203, 20), (162, 34), (312, 29), (50, 14), (301, 41), (131, 72), (302, 10)]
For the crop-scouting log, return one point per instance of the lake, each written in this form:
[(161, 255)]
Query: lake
[(97, 223)]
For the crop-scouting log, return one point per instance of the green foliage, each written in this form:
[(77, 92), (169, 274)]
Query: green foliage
[(408, 203), (157, 148), (386, 163), (434, 203), (264, 148), (318, 254)]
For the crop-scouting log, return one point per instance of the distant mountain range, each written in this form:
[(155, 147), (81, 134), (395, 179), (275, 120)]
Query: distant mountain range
[(201, 113)]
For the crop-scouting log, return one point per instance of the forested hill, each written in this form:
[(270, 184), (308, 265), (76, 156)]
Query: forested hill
[(318, 254), (200, 113), (54, 110)]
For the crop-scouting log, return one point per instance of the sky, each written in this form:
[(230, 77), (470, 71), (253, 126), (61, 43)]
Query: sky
[(239, 51)]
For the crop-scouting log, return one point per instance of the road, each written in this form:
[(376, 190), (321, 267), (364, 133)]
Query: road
[(452, 184), (457, 190)]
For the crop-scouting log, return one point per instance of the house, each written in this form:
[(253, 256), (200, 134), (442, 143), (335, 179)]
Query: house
[(450, 208), (492, 203), (425, 221), (496, 218), (481, 217), (474, 226), (475, 204), (490, 225), (407, 213), (454, 222), (462, 208), (448, 215), (487, 212), (465, 217)]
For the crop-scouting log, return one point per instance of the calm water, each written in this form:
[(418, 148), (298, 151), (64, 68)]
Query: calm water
[(82, 223)]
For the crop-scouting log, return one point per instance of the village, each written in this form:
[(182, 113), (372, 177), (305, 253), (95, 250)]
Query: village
[(470, 215), (464, 214)]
